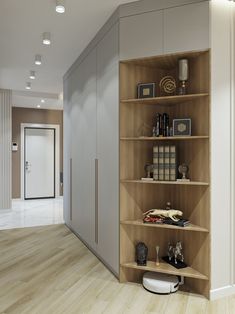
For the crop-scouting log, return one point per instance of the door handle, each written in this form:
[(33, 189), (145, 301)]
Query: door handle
[(27, 165), (96, 202), (70, 190)]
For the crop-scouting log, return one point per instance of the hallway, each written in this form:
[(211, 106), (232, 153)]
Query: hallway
[(48, 270), (32, 213)]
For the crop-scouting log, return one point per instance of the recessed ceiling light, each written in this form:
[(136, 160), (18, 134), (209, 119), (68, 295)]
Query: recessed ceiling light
[(42, 101), (28, 85), (38, 60), (46, 38), (60, 8), (32, 75), (38, 106)]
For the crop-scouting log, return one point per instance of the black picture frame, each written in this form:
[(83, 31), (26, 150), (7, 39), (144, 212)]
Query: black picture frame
[(181, 127), (146, 90)]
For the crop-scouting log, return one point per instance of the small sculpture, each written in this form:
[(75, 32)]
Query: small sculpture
[(149, 171), (141, 254), (163, 213), (178, 252), (157, 255), (170, 251), (183, 169), (175, 256), (168, 205)]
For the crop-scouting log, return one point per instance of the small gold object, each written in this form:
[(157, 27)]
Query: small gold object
[(167, 85)]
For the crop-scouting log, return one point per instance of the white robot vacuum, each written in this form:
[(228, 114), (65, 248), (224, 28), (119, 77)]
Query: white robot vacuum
[(160, 283)]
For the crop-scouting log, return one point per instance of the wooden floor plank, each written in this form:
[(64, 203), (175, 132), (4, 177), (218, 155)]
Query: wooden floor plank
[(47, 270)]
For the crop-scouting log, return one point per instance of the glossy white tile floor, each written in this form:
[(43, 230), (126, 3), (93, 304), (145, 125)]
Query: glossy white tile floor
[(32, 213)]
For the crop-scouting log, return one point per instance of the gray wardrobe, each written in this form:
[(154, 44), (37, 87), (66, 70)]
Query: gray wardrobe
[(91, 136)]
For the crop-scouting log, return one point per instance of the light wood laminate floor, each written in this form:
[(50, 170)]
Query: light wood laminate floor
[(48, 270)]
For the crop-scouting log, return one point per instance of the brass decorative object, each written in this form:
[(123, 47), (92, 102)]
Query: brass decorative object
[(167, 85)]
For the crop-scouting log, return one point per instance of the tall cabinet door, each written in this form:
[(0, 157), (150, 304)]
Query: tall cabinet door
[(141, 35), (108, 148), (83, 119), (186, 28), (67, 155)]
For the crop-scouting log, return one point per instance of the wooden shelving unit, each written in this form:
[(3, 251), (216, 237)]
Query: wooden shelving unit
[(168, 100), (166, 182), (167, 269), (140, 223), (169, 138), (136, 145)]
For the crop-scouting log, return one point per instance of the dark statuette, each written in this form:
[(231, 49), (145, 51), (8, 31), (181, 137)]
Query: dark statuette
[(141, 254)]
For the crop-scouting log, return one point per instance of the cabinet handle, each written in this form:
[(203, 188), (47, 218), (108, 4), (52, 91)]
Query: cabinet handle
[(96, 201), (71, 187)]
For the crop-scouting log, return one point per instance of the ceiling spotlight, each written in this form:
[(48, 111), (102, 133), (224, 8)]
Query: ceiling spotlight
[(46, 38), (60, 8), (32, 75), (42, 101), (28, 85), (38, 106), (38, 59)]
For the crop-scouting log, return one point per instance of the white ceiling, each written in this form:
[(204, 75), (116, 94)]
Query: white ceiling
[(22, 23)]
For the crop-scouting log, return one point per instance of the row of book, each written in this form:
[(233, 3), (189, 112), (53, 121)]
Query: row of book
[(164, 163)]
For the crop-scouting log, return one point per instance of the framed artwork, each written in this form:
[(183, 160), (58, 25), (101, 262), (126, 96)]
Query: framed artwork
[(181, 127), (146, 90)]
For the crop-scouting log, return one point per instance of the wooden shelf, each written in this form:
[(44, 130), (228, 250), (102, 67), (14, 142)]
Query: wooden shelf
[(167, 269), (166, 182), (136, 118), (140, 223), (170, 100), (169, 138)]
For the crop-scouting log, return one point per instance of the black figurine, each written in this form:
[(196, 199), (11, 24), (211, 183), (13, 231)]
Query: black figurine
[(141, 254)]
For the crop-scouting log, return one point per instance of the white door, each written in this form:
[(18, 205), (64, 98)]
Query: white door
[(39, 162)]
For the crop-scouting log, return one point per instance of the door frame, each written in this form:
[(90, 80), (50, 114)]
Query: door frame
[(57, 154), (54, 146)]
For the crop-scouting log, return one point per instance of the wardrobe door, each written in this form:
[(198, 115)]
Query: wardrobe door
[(84, 149), (67, 155), (141, 35), (108, 148), (186, 27)]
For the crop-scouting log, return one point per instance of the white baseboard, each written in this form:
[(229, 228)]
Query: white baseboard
[(222, 292)]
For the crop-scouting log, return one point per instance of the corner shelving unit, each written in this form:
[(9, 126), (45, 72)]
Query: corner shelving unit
[(136, 146)]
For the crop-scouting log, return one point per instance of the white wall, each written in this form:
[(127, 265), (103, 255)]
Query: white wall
[(222, 261), (5, 149)]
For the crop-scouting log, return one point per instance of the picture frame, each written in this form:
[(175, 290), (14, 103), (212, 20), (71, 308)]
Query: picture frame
[(182, 127), (146, 90)]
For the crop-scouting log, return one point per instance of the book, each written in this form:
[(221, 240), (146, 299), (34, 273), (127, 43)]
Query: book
[(179, 223), (167, 163), (161, 163), (155, 163), (173, 164)]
